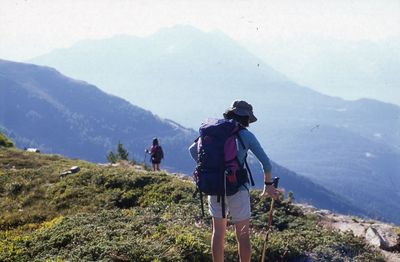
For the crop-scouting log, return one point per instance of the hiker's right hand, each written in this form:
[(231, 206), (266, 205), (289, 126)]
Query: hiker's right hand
[(271, 191)]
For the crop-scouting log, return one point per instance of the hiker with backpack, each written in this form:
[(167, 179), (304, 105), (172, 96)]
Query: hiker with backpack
[(156, 154), (220, 153)]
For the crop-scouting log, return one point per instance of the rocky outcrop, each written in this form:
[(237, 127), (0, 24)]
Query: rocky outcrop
[(385, 237)]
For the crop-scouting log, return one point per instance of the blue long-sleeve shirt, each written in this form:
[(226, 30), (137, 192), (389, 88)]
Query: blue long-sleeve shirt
[(250, 143)]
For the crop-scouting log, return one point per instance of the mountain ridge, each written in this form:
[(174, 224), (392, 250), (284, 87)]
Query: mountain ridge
[(332, 66), (63, 97), (89, 125), (211, 73)]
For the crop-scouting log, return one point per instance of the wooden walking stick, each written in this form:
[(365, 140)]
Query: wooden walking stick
[(268, 226)]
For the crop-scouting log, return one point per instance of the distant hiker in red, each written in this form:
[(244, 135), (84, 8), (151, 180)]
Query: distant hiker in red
[(156, 154), (217, 158)]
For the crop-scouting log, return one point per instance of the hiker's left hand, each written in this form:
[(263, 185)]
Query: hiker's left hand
[(271, 191)]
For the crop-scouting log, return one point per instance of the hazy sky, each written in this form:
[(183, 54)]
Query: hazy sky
[(32, 27)]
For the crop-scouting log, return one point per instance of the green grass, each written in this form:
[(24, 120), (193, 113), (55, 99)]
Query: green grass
[(5, 141), (121, 214)]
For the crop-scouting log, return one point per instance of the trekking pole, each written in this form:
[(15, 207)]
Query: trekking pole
[(144, 159), (268, 227)]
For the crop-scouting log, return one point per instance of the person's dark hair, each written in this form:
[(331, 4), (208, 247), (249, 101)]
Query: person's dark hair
[(155, 141), (243, 120)]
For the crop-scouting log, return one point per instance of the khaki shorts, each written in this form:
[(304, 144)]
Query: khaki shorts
[(237, 205)]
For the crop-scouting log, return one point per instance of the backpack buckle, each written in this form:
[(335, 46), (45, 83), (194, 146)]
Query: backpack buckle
[(231, 176)]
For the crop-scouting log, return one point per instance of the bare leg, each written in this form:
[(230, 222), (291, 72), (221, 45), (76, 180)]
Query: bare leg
[(154, 166), (158, 167), (242, 235), (217, 240)]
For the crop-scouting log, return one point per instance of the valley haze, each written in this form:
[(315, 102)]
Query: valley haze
[(102, 72), (175, 72), (65, 116), (345, 146)]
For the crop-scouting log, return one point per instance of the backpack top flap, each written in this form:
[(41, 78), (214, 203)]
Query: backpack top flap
[(216, 145), (219, 128)]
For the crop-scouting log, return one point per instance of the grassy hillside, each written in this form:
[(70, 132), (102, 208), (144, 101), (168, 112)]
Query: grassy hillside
[(5, 142), (128, 214)]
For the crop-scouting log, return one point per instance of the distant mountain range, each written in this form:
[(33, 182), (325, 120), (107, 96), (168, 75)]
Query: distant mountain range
[(184, 74), (350, 69), (42, 108)]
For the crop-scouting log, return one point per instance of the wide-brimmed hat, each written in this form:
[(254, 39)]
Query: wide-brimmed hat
[(242, 108)]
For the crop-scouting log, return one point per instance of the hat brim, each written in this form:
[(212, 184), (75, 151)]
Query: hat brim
[(242, 112), (252, 118)]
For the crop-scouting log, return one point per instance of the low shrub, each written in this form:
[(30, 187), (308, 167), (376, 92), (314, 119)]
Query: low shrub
[(119, 214), (5, 141)]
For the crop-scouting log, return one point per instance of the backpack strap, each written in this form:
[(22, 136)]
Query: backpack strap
[(223, 207), (201, 203), (197, 191), (245, 160), (161, 152)]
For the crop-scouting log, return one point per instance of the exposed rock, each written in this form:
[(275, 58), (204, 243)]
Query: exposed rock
[(139, 167), (103, 164), (390, 256), (372, 236), (125, 164), (391, 240), (183, 177), (75, 169), (345, 225), (32, 150), (65, 173), (72, 170), (378, 234)]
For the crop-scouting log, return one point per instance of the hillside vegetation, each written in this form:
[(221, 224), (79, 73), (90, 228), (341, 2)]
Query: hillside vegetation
[(125, 213), (5, 142)]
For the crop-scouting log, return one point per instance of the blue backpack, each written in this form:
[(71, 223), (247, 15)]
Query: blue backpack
[(218, 171)]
